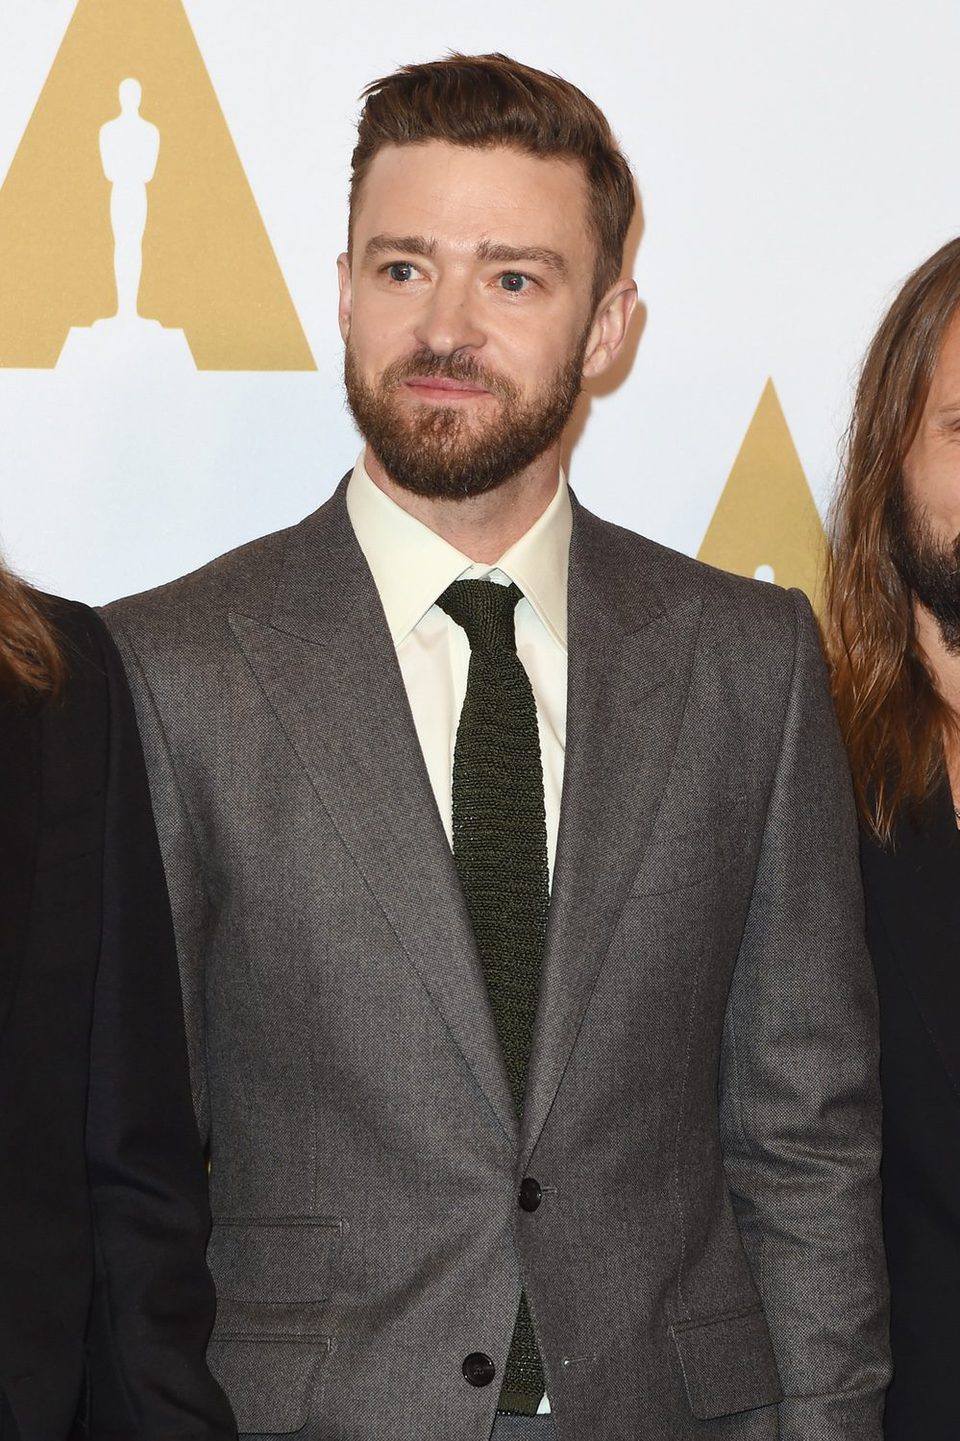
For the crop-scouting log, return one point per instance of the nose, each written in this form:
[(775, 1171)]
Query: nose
[(449, 320)]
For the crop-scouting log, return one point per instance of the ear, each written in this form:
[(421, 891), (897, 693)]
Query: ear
[(609, 329), (345, 308)]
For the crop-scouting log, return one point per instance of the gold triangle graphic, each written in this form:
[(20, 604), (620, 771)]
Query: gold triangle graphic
[(208, 266), (766, 522)]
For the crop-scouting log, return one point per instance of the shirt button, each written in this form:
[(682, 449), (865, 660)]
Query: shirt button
[(530, 1194), (478, 1369)]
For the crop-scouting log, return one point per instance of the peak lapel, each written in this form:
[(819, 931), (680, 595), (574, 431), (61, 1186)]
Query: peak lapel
[(327, 665), (630, 655)]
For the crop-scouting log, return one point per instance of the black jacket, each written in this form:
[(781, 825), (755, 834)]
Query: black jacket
[(105, 1301), (912, 896)]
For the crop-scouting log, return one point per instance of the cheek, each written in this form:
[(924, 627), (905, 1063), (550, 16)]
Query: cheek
[(949, 500), (375, 336), (536, 351), (932, 476)]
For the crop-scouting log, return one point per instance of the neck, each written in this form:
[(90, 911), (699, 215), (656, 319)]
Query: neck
[(481, 527)]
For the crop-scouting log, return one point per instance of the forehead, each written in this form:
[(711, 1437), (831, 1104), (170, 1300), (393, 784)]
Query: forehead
[(946, 374), (459, 194)]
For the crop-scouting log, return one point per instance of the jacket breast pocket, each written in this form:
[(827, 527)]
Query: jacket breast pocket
[(692, 842), (728, 1364), (273, 1280)]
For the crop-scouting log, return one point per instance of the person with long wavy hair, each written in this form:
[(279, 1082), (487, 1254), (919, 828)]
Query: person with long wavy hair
[(893, 636), (105, 1301)]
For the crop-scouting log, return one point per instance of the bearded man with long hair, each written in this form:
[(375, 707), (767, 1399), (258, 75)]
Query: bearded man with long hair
[(894, 638), (105, 1301)]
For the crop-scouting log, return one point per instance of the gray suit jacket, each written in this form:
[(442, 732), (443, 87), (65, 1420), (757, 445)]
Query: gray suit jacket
[(702, 1108)]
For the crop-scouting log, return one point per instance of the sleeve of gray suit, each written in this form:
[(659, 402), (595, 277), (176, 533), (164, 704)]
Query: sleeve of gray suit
[(800, 1108)]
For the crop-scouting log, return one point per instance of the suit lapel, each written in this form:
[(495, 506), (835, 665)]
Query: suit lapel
[(327, 665), (913, 889), (20, 789), (630, 656)]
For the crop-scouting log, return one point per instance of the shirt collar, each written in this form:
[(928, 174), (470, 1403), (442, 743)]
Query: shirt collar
[(411, 565)]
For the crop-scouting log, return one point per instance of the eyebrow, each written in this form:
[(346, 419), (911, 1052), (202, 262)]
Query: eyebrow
[(514, 255), (487, 250), (406, 244)]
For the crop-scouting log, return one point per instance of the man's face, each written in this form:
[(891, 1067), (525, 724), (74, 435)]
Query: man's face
[(926, 517), (466, 311)]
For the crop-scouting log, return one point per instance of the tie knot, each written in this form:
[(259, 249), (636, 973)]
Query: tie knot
[(485, 611)]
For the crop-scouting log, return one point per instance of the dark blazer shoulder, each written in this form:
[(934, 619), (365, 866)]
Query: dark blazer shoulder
[(76, 722), (76, 623), (74, 718)]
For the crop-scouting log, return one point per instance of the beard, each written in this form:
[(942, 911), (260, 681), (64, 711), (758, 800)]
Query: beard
[(928, 566), (439, 452)]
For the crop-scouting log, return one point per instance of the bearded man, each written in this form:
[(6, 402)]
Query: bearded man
[(894, 637), (514, 876)]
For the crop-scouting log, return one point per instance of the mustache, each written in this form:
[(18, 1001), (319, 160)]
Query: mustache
[(426, 366)]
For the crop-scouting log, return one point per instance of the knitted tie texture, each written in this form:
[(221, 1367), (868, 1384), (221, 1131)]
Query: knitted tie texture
[(500, 850)]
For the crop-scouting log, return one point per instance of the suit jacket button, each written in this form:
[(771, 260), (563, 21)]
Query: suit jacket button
[(478, 1369), (530, 1194)]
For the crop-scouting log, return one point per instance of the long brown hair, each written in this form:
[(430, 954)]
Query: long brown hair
[(31, 662), (893, 718), (486, 100)]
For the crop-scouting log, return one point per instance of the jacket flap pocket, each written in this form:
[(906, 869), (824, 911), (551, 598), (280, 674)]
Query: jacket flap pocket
[(728, 1364), (269, 1384), (250, 1321), (692, 841), (286, 1260)]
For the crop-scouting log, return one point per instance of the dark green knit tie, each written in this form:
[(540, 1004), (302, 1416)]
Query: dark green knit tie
[(500, 849)]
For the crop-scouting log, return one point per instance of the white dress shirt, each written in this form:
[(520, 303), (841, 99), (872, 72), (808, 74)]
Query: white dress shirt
[(412, 565)]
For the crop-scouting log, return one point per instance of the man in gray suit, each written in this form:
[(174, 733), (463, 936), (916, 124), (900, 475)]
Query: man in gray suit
[(514, 875)]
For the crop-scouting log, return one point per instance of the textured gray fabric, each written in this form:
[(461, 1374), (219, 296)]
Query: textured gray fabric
[(523, 1428), (701, 1106)]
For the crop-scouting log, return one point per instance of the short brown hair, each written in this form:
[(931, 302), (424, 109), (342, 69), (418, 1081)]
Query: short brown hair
[(893, 717), (486, 100)]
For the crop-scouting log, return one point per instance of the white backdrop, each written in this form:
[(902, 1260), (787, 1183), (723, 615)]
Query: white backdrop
[(795, 162)]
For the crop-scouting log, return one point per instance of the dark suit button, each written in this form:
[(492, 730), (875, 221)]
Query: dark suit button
[(530, 1194), (478, 1369)]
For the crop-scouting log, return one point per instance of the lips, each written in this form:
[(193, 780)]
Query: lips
[(444, 387)]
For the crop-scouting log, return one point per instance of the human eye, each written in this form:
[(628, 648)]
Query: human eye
[(400, 271), (514, 282)]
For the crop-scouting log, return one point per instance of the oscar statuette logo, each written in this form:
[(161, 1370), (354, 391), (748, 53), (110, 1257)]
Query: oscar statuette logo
[(127, 225), (766, 524)]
